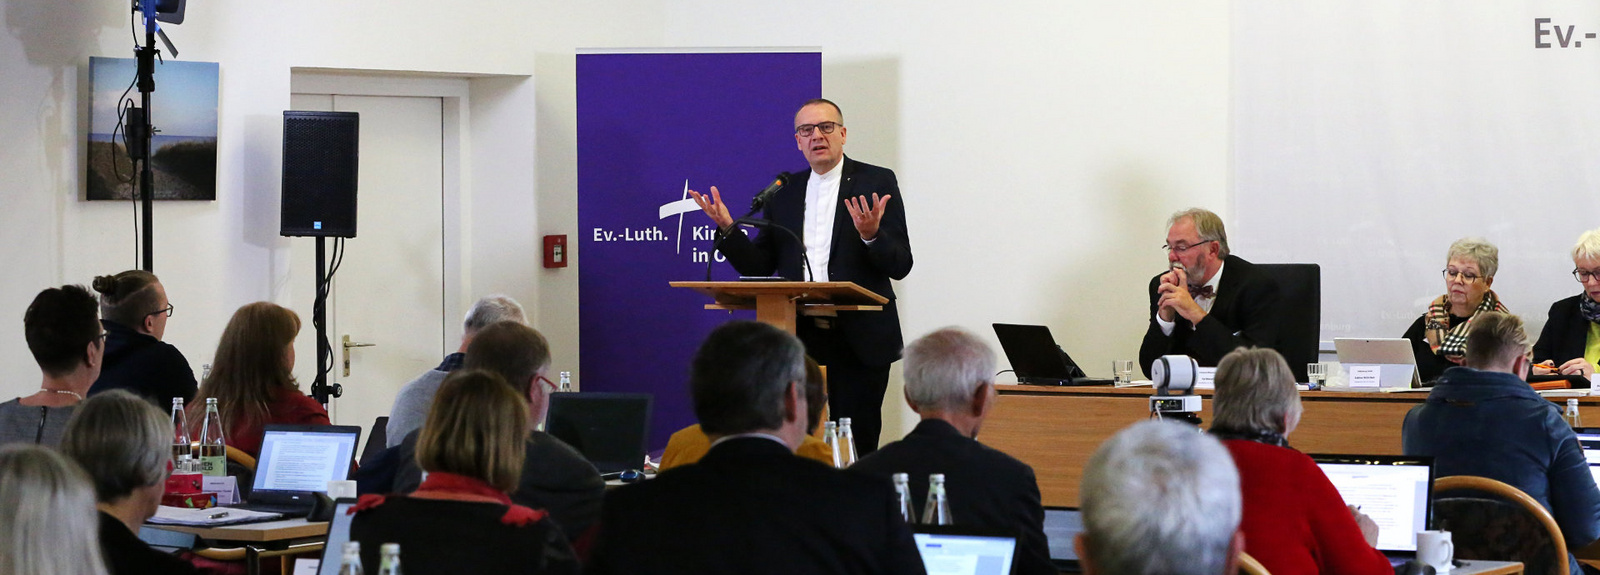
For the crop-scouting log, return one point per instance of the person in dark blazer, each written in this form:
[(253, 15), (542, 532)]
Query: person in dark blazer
[(950, 383), (851, 224), (1570, 342), (134, 310), (751, 505), (1210, 302), (124, 444)]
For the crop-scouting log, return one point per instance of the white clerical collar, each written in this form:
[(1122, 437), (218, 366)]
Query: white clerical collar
[(830, 175)]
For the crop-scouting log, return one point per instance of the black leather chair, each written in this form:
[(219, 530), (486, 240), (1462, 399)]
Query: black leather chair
[(1300, 289), (377, 440)]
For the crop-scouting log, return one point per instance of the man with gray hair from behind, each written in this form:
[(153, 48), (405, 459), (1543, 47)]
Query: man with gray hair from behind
[(411, 404), (949, 378), (1160, 498)]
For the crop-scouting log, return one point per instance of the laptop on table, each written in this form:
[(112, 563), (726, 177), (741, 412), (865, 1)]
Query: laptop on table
[(957, 550), (297, 462), (609, 429), (1392, 353), (1036, 358), (1589, 440), (1061, 528), (1395, 491), (338, 535)]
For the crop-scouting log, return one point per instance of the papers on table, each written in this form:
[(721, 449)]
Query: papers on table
[(166, 515), (1564, 393)]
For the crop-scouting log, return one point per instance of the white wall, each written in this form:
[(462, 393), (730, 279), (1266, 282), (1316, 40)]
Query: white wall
[(1039, 145)]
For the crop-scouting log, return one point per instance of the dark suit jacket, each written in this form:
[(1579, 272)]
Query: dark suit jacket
[(125, 554), (1565, 334), (751, 506), (144, 365), (874, 336), (986, 487), (1244, 314), (555, 478)]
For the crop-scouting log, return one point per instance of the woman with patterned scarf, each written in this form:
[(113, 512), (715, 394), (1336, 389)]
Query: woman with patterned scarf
[(1570, 342), (1439, 337)]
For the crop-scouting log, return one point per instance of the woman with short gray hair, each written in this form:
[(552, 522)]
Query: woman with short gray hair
[(47, 508), (1439, 337), (124, 443), (1570, 342), (1294, 519)]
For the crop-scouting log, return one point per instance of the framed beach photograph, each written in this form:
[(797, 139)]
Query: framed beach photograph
[(184, 150)]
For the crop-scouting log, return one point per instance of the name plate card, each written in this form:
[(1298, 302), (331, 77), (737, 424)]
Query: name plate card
[(1364, 375), (1205, 378)]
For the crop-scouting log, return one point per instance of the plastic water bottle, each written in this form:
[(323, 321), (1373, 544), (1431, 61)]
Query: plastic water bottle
[(902, 491), (566, 382), (351, 563), (182, 451), (213, 447), (847, 442), (830, 436), (1572, 413), (389, 564), (937, 511)]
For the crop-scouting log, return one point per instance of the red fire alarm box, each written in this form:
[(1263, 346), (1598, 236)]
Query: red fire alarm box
[(555, 251)]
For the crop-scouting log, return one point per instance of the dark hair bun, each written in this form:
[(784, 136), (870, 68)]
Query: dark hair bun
[(105, 284)]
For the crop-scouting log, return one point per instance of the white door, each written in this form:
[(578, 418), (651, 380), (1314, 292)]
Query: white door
[(389, 288)]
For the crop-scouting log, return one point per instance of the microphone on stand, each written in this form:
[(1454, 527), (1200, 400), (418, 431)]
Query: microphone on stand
[(756, 204), (765, 195)]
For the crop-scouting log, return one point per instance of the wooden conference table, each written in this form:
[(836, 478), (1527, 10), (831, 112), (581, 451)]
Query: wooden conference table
[(1056, 429), (262, 540)]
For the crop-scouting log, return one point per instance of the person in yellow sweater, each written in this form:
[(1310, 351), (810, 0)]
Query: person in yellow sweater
[(689, 444)]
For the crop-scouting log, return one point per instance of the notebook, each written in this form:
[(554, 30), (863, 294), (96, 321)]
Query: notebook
[(298, 461), (1395, 491), (954, 550), (1061, 527), (1036, 358), (609, 429)]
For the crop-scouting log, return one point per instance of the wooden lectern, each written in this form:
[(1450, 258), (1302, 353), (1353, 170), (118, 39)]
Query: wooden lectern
[(779, 303)]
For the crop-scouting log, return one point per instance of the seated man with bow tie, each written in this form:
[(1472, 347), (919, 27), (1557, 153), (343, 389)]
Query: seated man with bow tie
[(1210, 302)]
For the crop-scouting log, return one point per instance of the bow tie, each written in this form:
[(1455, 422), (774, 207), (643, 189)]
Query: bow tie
[(1205, 291)]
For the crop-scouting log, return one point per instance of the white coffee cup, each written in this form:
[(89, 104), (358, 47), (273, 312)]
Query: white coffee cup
[(341, 489), (1436, 549)]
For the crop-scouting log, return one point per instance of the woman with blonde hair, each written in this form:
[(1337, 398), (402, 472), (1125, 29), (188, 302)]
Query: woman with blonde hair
[(47, 506), (1570, 342), (252, 378), (472, 448)]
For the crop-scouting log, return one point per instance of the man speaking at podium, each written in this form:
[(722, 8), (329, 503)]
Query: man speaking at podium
[(852, 225)]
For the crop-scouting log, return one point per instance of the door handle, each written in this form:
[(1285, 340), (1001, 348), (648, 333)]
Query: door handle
[(347, 344)]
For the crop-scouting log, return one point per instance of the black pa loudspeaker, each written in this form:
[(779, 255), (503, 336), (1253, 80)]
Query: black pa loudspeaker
[(319, 173)]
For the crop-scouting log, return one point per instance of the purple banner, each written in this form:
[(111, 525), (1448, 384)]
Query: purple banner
[(651, 127)]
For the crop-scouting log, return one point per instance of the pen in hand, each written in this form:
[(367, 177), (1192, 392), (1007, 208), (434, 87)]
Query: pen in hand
[(218, 515)]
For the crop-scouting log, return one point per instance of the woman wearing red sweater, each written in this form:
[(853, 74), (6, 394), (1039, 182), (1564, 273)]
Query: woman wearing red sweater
[(1294, 520), (252, 378)]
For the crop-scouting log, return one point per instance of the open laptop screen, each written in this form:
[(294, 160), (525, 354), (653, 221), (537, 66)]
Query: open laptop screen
[(303, 458), (1589, 439), (609, 429), (1395, 491), (338, 535), (958, 551), (1061, 526)]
